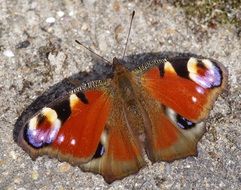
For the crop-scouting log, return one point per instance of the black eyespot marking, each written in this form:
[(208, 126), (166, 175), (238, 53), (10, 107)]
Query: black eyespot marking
[(99, 151), (25, 135), (40, 118), (82, 97), (184, 123), (161, 69), (200, 64), (180, 66), (62, 109)]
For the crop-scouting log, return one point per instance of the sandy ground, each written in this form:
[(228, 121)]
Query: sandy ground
[(38, 51)]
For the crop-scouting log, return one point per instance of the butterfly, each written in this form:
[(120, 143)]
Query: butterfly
[(108, 126)]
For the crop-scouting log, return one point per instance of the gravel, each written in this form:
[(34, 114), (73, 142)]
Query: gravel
[(38, 51)]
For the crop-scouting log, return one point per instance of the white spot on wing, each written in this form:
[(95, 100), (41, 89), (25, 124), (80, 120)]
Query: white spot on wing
[(34, 133), (200, 90), (211, 79), (42, 138), (194, 99), (73, 142), (60, 138)]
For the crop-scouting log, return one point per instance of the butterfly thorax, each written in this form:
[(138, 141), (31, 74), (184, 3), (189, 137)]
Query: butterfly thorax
[(127, 91), (122, 80)]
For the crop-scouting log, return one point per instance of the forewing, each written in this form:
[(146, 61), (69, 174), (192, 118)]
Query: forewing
[(187, 85), (70, 128)]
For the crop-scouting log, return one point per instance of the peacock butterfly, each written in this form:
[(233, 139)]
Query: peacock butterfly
[(107, 126)]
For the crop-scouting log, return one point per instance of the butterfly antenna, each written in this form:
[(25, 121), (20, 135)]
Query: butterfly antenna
[(78, 42), (132, 17)]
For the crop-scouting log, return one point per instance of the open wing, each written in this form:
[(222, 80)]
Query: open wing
[(69, 128), (85, 129), (187, 85), (123, 151), (178, 94)]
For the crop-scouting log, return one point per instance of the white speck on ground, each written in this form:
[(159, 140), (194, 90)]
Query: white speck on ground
[(50, 20), (32, 70), (8, 53), (60, 13)]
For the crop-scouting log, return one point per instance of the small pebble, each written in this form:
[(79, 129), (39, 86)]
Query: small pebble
[(13, 155), (50, 20), (60, 13), (17, 180), (8, 53), (21, 188), (71, 13), (64, 167), (35, 175), (23, 44), (84, 27)]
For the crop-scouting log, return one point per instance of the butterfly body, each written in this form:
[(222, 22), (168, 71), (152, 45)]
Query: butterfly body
[(107, 126)]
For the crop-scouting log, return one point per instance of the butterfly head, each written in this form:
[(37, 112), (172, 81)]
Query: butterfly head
[(118, 67)]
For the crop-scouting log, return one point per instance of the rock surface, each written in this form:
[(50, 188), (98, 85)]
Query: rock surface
[(37, 51)]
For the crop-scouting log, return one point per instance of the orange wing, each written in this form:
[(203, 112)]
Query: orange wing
[(69, 129), (85, 129), (166, 139), (176, 95), (187, 85), (123, 155)]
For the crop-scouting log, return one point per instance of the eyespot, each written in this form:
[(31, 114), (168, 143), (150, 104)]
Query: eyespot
[(99, 151), (184, 123)]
